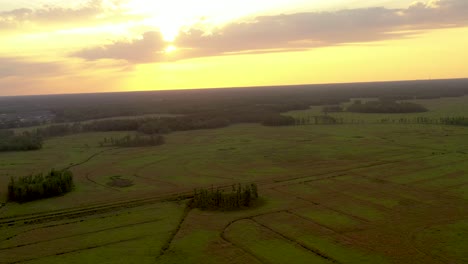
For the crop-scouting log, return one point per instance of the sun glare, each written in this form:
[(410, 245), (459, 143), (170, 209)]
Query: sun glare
[(170, 49), (171, 16)]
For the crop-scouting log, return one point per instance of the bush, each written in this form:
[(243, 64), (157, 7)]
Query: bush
[(385, 106)]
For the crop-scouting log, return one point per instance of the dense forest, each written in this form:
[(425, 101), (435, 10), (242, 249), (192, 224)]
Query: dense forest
[(224, 105), (239, 197), (9, 141), (385, 106), (39, 186)]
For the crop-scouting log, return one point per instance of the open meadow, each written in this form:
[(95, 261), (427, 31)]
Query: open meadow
[(361, 192)]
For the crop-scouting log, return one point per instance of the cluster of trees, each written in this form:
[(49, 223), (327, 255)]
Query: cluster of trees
[(133, 141), (239, 197), (9, 141), (39, 186), (385, 106)]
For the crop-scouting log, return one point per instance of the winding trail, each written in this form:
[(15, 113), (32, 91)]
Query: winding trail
[(88, 159)]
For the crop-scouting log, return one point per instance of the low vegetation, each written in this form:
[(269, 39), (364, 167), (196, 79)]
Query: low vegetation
[(318, 120), (332, 109), (239, 197), (133, 141), (278, 120), (385, 106), (39, 186)]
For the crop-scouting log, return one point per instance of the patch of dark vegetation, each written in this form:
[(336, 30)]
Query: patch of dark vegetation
[(385, 106), (278, 120), (318, 120), (226, 149), (133, 141), (332, 109), (455, 121), (40, 186), (25, 141), (118, 181), (239, 197)]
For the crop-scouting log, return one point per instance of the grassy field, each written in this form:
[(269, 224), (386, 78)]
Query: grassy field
[(353, 193)]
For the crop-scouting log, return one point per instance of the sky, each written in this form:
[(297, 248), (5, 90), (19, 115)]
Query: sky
[(83, 46)]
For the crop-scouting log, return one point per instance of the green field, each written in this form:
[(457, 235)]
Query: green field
[(350, 193)]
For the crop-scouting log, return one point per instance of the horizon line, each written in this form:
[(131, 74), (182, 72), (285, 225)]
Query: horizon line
[(234, 87)]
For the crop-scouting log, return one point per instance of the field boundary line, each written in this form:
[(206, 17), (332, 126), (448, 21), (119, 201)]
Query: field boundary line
[(82, 249), (76, 235), (167, 244), (302, 245)]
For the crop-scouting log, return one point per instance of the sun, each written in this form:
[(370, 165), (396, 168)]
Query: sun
[(170, 17), (170, 49)]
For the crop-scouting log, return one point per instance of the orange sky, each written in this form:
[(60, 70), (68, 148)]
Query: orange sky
[(107, 45)]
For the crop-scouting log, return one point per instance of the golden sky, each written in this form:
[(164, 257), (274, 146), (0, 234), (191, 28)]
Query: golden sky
[(51, 46)]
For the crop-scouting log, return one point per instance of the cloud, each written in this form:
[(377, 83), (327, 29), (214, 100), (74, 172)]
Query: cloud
[(147, 49), (298, 31), (25, 76), (20, 67), (20, 75), (88, 13), (315, 29)]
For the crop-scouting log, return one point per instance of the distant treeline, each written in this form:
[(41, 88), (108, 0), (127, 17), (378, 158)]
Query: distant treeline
[(152, 126), (385, 106), (330, 120), (9, 124), (133, 141), (39, 186), (242, 104), (9, 141), (239, 197)]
